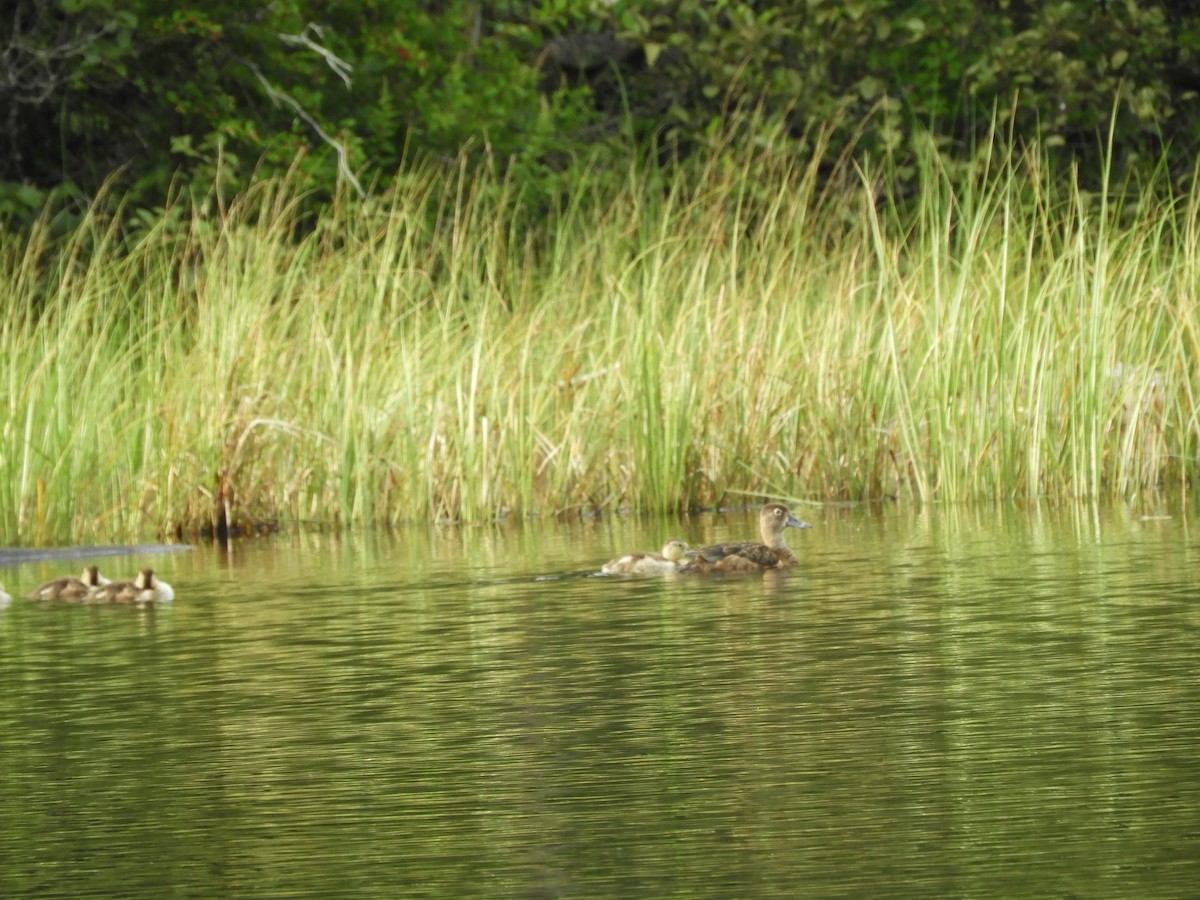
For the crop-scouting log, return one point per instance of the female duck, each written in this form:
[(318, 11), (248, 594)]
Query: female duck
[(751, 556), (144, 590), (648, 562), (69, 587)]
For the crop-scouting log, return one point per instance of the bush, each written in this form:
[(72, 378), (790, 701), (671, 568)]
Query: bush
[(214, 92), (153, 88), (1055, 69)]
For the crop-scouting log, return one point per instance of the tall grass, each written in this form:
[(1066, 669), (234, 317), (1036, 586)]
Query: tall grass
[(757, 324)]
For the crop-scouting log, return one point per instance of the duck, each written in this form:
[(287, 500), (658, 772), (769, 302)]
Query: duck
[(751, 556), (144, 590), (647, 562), (69, 587)]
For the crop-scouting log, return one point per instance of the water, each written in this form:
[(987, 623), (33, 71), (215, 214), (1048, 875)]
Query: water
[(946, 703)]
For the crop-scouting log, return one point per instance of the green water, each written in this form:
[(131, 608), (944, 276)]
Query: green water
[(986, 703)]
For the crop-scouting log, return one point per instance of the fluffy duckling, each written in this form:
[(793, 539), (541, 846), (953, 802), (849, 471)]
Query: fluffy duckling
[(146, 589), (69, 587), (647, 562), (751, 556)]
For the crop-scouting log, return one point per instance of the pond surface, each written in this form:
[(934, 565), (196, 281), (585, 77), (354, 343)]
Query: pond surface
[(936, 703)]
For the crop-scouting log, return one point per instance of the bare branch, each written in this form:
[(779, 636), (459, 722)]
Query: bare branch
[(31, 72), (340, 67), (277, 97)]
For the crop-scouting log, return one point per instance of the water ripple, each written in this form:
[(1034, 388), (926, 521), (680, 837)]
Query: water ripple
[(992, 707)]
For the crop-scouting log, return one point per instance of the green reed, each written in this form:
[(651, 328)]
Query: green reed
[(761, 324)]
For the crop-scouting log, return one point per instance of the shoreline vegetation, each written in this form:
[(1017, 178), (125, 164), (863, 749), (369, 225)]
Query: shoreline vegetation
[(753, 322)]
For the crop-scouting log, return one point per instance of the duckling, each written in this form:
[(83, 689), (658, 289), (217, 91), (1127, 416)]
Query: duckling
[(146, 589), (751, 556), (69, 587), (647, 562)]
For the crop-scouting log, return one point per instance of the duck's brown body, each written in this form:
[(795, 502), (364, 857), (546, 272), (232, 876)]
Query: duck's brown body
[(751, 556), (146, 589), (647, 562), (69, 587)]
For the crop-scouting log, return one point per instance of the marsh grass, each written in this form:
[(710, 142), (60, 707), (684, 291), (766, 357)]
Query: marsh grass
[(758, 324)]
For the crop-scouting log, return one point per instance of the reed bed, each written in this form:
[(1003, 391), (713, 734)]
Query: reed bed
[(761, 324)]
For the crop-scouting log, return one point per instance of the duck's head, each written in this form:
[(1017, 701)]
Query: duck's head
[(674, 550), (774, 518), (91, 576), (151, 587)]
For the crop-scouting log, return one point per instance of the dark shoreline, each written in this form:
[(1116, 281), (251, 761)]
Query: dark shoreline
[(12, 556)]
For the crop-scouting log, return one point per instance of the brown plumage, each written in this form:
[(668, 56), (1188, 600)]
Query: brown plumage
[(69, 587), (648, 562), (146, 588), (751, 556)]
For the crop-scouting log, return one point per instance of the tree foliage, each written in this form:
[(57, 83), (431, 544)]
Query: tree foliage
[(1057, 69), (160, 91), (153, 88)]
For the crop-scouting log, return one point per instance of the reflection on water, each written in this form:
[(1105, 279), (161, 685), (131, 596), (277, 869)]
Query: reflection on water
[(995, 703)]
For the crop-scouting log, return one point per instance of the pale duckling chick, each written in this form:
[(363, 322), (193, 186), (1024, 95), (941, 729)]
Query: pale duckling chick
[(144, 590), (751, 556), (648, 562), (69, 587)]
